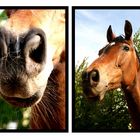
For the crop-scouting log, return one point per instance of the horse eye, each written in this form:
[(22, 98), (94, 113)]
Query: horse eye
[(125, 48)]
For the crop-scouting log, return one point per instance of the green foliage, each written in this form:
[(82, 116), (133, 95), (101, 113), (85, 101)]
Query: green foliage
[(79, 70), (9, 114), (109, 114), (136, 41), (3, 17)]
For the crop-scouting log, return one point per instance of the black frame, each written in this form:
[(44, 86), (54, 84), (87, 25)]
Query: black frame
[(66, 66), (74, 8)]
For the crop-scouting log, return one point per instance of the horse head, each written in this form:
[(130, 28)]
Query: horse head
[(115, 67), (28, 48)]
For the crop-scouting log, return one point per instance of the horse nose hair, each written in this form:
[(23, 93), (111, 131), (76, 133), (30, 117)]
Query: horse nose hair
[(94, 76)]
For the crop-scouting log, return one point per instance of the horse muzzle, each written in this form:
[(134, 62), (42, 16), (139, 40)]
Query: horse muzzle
[(92, 86)]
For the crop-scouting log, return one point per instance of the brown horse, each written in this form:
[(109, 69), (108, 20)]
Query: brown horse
[(32, 65), (117, 66)]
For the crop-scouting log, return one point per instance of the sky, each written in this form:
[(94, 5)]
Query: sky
[(91, 26)]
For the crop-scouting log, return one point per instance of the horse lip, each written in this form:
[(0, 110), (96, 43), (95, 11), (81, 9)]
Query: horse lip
[(92, 93), (23, 102), (100, 94)]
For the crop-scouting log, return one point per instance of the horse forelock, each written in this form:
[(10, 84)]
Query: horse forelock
[(121, 39), (118, 39)]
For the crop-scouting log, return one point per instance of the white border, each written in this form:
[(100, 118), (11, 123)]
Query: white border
[(69, 2), (69, 135)]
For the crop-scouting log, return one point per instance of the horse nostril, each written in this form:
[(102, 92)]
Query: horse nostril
[(35, 51), (35, 46), (95, 76)]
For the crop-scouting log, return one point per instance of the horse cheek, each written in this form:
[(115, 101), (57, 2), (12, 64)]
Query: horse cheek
[(128, 72)]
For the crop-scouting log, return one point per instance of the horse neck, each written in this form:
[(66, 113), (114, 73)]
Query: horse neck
[(132, 94)]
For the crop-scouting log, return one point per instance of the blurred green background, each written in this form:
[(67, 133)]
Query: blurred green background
[(12, 117), (111, 114)]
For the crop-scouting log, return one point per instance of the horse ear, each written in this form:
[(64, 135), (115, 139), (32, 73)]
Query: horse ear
[(110, 34), (128, 30)]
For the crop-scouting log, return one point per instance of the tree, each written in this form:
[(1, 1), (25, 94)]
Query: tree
[(136, 41)]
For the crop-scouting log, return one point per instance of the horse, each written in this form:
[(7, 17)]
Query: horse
[(32, 65), (118, 66)]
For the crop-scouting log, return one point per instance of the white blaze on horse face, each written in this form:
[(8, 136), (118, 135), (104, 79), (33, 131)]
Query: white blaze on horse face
[(112, 43)]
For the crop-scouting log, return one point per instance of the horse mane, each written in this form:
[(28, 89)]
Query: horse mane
[(115, 40), (120, 38)]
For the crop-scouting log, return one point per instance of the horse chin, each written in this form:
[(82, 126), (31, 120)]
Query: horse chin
[(94, 94), (24, 102), (101, 95)]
